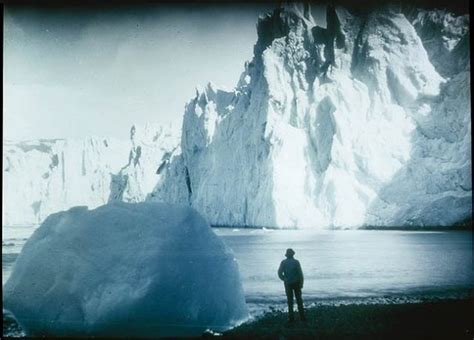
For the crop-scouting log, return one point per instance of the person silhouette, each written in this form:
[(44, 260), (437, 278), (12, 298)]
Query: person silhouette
[(291, 274)]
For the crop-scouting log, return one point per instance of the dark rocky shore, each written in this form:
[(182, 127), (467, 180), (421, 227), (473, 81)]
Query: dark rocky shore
[(448, 319)]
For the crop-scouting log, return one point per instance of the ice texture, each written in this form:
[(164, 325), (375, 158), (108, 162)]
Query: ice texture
[(124, 269), (152, 147), (364, 122), (41, 177)]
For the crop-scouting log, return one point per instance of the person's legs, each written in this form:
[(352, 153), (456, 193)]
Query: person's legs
[(299, 302), (289, 299)]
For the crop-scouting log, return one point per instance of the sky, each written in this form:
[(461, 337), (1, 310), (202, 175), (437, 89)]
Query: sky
[(77, 72), (85, 71)]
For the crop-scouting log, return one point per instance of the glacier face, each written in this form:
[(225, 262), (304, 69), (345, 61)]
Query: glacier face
[(152, 146), (364, 122), (41, 177)]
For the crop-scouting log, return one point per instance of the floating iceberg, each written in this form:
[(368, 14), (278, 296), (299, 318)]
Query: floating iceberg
[(125, 269)]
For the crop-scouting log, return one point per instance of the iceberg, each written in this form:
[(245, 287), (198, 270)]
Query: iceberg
[(125, 269)]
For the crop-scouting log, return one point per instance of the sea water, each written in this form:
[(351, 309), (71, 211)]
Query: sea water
[(340, 267), (354, 266)]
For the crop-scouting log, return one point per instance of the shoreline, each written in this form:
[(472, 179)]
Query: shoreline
[(444, 319), (362, 228), (456, 227)]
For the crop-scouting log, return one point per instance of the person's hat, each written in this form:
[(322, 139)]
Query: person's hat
[(289, 252)]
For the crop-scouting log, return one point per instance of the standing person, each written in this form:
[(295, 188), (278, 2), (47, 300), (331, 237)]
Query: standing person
[(291, 274)]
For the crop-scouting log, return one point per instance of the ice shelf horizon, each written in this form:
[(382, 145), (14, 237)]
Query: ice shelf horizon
[(45, 176), (363, 122)]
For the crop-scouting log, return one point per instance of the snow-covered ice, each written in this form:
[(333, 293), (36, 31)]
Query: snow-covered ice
[(41, 177), (364, 122), (123, 269)]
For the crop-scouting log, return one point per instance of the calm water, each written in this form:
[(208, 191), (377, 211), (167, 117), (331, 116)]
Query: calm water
[(339, 266)]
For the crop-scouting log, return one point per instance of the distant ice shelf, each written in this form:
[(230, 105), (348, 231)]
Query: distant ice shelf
[(41, 177)]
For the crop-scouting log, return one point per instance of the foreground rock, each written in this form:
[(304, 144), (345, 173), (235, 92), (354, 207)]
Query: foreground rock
[(124, 269), (448, 319)]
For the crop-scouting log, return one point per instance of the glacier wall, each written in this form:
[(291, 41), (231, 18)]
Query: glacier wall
[(152, 146), (41, 177), (363, 122)]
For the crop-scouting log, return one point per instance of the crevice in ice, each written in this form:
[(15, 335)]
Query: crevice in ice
[(270, 27), (63, 170), (83, 165), (165, 160), (445, 37), (7, 166), (188, 183), (118, 183), (361, 50), (54, 161), (30, 146), (130, 158), (36, 206), (246, 208), (138, 153), (323, 131), (161, 167), (334, 37)]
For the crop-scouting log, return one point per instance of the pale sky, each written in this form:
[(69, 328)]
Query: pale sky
[(78, 72)]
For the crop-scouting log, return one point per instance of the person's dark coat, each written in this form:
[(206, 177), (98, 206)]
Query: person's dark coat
[(290, 272)]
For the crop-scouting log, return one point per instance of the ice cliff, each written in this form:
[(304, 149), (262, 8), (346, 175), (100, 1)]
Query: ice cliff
[(363, 122), (41, 177), (152, 146)]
